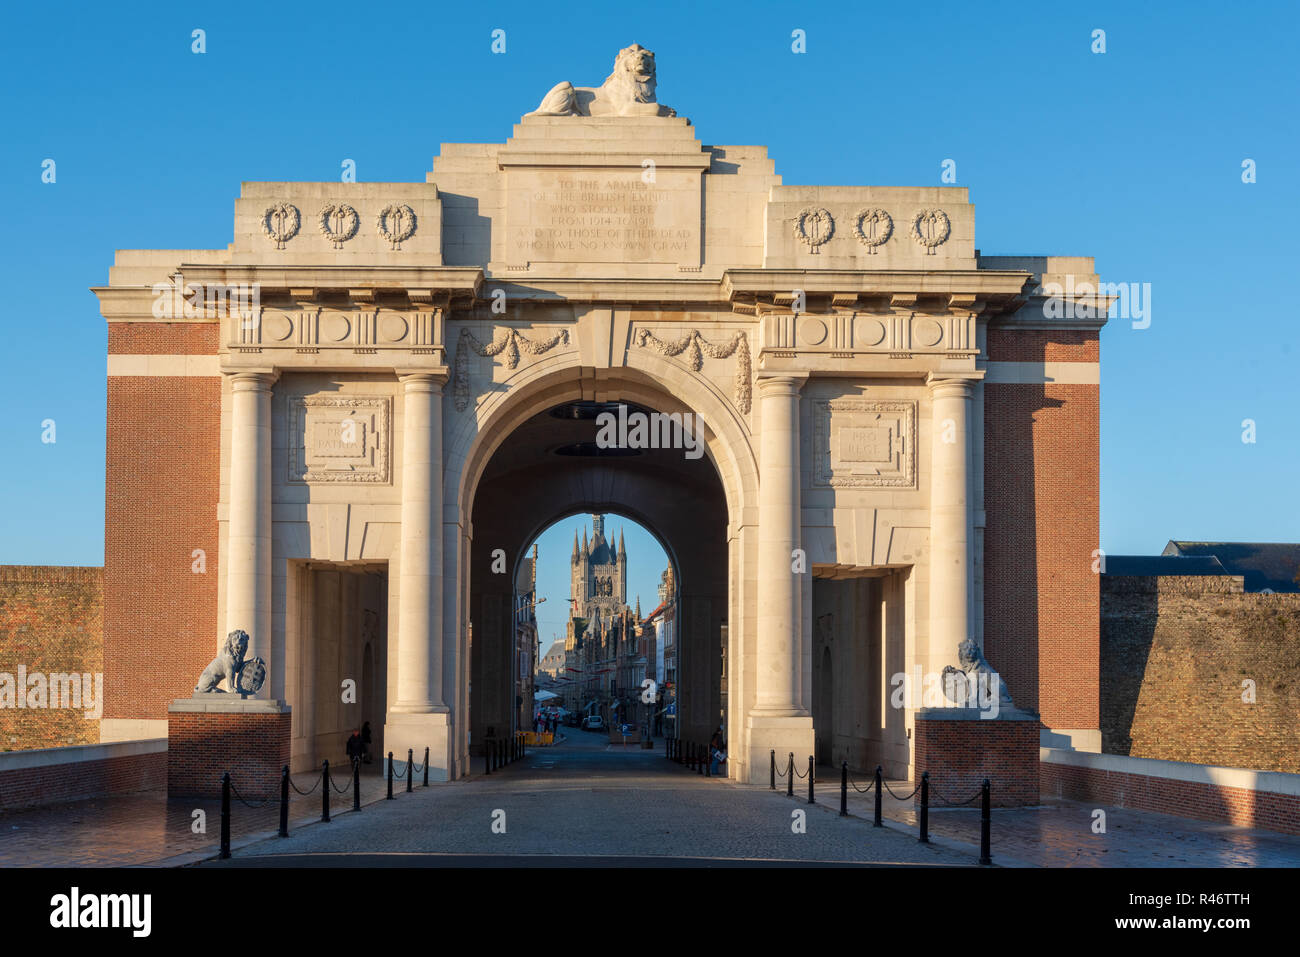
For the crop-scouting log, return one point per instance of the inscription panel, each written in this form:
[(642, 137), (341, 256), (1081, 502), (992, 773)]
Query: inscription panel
[(336, 438), (864, 443), (603, 216)]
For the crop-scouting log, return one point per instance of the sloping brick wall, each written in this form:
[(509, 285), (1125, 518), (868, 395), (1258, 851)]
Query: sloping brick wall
[(51, 622), (1175, 654), (66, 774)]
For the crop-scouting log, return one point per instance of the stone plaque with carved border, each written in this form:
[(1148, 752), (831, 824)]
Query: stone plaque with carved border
[(864, 443), (335, 438)]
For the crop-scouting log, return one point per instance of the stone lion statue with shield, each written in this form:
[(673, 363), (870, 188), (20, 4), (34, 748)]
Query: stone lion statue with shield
[(243, 676), (628, 91)]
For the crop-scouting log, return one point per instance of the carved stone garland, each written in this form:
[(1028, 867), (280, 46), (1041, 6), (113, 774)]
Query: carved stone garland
[(699, 347), (511, 343)]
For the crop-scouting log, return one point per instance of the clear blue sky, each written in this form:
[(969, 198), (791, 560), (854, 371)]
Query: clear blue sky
[(1132, 156)]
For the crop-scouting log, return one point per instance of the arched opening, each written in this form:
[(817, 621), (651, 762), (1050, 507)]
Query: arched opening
[(554, 465)]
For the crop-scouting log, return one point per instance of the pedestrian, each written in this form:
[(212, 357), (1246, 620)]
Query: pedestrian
[(355, 746), (365, 743), (717, 751)]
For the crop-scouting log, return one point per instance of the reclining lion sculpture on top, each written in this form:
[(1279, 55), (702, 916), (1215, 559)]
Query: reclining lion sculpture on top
[(628, 91)]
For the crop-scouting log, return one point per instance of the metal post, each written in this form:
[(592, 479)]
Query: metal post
[(772, 772), (701, 759), (410, 768), (789, 779), (325, 793), (390, 775), (925, 807), (811, 777), (844, 789), (225, 815), (880, 781), (487, 757), (426, 766), (356, 784), (284, 802), (985, 823)]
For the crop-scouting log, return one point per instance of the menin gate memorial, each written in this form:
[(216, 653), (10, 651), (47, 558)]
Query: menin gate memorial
[(322, 433)]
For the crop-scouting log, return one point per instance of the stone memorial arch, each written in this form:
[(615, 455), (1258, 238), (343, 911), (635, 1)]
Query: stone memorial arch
[(321, 434)]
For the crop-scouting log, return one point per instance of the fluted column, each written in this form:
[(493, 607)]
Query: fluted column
[(419, 640), (949, 519), (248, 542), (777, 688)]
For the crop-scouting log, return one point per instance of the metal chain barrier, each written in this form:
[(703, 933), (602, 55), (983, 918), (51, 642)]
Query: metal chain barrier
[(946, 803), (341, 790), (904, 797), (796, 771), (313, 787), (865, 790), (258, 805)]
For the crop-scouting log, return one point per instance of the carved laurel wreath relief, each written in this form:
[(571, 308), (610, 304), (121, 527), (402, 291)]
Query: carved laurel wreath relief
[(395, 223), (930, 227), (813, 227), (510, 341), (873, 227), (697, 347), (280, 223), (339, 223)]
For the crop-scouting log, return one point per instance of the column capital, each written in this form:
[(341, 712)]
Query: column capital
[(253, 380), (423, 380), (781, 384), (952, 385)]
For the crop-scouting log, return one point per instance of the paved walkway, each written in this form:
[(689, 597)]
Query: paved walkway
[(585, 797)]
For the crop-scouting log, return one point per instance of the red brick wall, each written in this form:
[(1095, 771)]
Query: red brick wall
[(27, 787), (1204, 802), (51, 621), (1042, 499), (1032, 345), (161, 488), (202, 746), (959, 755)]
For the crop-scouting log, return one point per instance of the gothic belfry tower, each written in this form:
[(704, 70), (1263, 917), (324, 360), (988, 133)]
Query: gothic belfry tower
[(599, 573)]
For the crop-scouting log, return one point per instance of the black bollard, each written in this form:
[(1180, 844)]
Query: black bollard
[(789, 778), (880, 780), (284, 802), (772, 772), (811, 777), (390, 775), (701, 760), (844, 789), (487, 757), (426, 767), (925, 807), (325, 793), (708, 761), (985, 823), (410, 768), (356, 784), (225, 815)]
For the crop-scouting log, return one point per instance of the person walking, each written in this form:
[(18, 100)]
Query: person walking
[(355, 746), (717, 751), (365, 742)]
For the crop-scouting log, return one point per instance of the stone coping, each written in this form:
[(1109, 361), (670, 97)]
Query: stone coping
[(227, 704), (79, 753), (1276, 782), (972, 714)]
